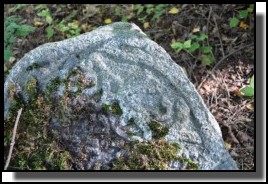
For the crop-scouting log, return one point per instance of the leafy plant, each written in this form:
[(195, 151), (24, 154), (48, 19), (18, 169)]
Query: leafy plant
[(248, 91), (16, 7), (12, 30), (193, 44), (66, 26), (68, 29), (149, 10), (242, 15)]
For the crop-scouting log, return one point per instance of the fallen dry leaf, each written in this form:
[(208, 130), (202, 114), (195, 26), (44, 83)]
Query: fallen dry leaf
[(146, 25), (108, 21), (174, 10), (196, 29)]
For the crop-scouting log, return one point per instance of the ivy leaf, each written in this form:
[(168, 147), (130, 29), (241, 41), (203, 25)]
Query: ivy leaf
[(243, 14), (117, 10), (7, 54), (206, 50), (247, 91), (140, 9), (192, 36), (160, 6), (194, 47), (187, 44), (252, 82), (49, 19), (50, 32), (234, 22), (24, 30), (202, 37), (44, 13), (176, 45)]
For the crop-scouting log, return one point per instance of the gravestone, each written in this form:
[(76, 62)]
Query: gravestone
[(113, 97)]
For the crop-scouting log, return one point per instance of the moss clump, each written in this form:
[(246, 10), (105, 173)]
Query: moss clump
[(76, 82), (52, 87), (190, 164), (31, 88), (150, 155), (114, 108), (158, 131), (11, 90), (35, 147)]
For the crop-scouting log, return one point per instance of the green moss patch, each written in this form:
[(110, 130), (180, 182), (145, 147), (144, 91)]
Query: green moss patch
[(151, 155), (114, 108), (158, 131), (36, 148), (31, 88)]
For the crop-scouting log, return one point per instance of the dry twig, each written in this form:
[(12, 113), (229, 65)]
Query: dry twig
[(13, 139), (219, 62)]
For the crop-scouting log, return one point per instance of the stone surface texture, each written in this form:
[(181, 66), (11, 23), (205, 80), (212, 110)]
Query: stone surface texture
[(119, 64)]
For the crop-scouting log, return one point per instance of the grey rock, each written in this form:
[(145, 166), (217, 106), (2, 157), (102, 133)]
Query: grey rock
[(125, 67)]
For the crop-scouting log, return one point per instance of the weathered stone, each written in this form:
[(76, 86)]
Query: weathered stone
[(112, 88)]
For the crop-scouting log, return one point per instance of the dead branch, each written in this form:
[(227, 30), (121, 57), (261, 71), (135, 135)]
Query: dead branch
[(13, 139)]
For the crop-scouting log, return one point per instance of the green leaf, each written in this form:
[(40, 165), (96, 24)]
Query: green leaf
[(40, 6), (207, 60), (157, 15), (117, 10), (50, 32), (124, 19), (69, 17), (149, 10), (176, 45), (252, 82), (160, 6), (243, 14), (49, 19), (202, 37), (234, 22), (149, 6), (187, 44), (193, 47), (16, 7), (24, 30), (143, 19), (7, 54), (247, 91), (206, 50), (44, 13), (192, 37), (139, 8)]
